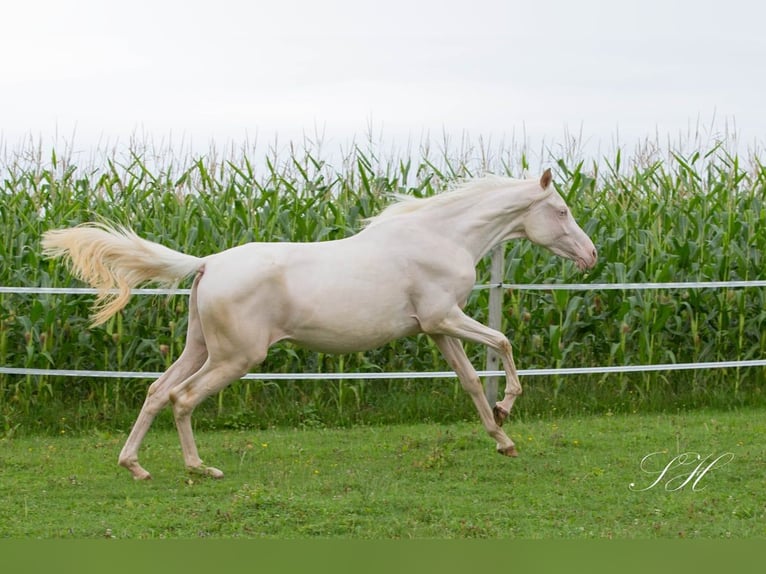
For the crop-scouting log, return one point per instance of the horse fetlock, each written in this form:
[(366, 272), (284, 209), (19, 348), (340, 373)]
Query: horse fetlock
[(500, 414), (508, 450), (138, 472)]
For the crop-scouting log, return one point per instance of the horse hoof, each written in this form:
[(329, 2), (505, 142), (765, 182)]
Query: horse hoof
[(213, 472), (500, 415), (209, 471), (509, 451), (138, 471)]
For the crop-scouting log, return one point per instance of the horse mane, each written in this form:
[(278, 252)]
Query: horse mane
[(406, 204)]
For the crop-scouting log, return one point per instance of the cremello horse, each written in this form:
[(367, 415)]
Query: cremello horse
[(410, 270)]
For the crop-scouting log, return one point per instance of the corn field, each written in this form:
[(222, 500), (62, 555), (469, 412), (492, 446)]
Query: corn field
[(656, 217)]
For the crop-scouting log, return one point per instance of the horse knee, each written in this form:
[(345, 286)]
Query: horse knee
[(505, 347)]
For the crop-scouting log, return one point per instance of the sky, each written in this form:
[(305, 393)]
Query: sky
[(95, 73)]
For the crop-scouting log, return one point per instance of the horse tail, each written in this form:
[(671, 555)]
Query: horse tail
[(113, 260)]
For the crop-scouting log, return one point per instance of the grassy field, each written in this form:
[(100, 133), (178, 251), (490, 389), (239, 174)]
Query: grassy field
[(572, 481)]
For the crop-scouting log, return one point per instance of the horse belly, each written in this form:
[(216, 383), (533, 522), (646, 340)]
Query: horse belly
[(350, 330)]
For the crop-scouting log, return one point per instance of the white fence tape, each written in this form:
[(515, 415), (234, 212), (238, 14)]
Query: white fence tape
[(399, 375), (514, 286), (417, 374)]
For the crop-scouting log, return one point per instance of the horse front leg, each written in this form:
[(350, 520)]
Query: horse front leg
[(458, 324), (453, 351), (513, 389)]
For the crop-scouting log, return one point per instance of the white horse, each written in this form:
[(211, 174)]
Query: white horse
[(410, 270)]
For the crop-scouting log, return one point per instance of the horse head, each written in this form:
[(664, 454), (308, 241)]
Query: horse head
[(549, 223)]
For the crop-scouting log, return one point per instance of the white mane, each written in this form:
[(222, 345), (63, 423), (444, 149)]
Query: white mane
[(467, 190)]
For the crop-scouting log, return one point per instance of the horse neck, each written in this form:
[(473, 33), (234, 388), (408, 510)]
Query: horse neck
[(481, 222)]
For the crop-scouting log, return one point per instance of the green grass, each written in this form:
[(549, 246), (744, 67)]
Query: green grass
[(571, 481)]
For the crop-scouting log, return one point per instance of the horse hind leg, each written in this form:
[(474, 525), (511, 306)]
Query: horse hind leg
[(158, 395), (211, 378), (157, 398), (232, 350), (238, 337)]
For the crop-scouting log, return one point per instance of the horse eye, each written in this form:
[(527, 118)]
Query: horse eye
[(563, 212)]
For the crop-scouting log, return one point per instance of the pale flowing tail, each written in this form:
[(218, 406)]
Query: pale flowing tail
[(115, 259)]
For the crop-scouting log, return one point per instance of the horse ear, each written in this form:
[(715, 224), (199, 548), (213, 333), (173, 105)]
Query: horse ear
[(545, 180)]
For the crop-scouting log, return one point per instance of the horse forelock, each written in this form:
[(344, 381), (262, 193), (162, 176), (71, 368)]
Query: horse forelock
[(467, 190)]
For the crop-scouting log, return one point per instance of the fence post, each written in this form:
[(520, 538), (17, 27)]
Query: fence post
[(495, 316)]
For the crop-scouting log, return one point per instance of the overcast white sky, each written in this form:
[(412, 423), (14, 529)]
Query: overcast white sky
[(94, 70)]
